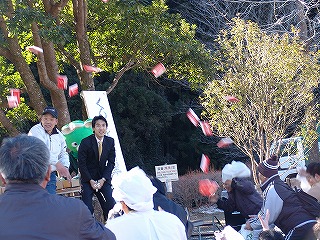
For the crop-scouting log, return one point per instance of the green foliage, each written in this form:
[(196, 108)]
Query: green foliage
[(273, 78), (24, 16), (119, 32), (21, 115)]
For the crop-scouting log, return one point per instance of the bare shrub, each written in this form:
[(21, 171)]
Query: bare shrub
[(186, 189)]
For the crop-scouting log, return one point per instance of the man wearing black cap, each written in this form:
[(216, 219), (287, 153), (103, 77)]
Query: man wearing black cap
[(286, 211), (47, 131)]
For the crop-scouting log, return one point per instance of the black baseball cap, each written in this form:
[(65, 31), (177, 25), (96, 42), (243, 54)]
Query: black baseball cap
[(50, 110)]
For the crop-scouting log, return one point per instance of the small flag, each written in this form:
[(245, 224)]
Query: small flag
[(73, 90), (34, 49), (207, 187), (193, 117), (158, 70), (205, 126), (232, 99), (105, 1), (62, 81), (224, 142), (88, 68), (12, 101), (205, 163), (15, 92)]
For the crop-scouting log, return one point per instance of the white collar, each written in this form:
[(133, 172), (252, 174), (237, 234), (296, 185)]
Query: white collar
[(99, 140)]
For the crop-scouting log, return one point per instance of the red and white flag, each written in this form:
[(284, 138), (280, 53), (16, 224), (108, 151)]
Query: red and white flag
[(15, 92), (62, 81), (73, 90), (34, 49), (88, 68), (205, 163), (193, 117), (232, 99), (158, 70), (205, 126), (224, 142), (12, 101)]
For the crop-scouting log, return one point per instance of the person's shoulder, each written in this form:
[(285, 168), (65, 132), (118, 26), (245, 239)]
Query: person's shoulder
[(88, 138), (243, 180), (119, 220), (166, 215), (67, 204), (36, 127), (107, 138)]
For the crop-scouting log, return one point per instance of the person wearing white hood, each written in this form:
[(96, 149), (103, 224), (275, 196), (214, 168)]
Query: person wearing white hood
[(134, 190), (242, 195)]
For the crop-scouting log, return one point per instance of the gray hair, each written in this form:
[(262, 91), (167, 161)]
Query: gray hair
[(24, 159)]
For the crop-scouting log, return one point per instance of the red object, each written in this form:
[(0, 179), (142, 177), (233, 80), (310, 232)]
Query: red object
[(2, 180), (34, 49), (12, 101), (88, 68), (205, 126), (15, 92), (73, 90), (224, 142), (193, 117), (207, 187), (205, 163), (62, 81), (158, 70), (232, 99)]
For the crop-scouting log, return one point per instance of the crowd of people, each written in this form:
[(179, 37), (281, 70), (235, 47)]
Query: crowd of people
[(31, 209)]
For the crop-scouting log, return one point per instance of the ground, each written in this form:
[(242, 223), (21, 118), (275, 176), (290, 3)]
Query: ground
[(206, 219)]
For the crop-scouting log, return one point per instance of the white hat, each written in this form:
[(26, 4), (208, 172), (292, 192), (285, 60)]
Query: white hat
[(135, 189), (235, 169)]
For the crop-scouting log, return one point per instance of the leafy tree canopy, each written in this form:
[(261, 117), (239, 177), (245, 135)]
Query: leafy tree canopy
[(273, 78)]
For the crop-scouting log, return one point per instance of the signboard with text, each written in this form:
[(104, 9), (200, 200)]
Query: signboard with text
[(167, 173)]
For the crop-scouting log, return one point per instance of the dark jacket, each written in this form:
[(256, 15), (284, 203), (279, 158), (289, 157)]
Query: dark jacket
[(88, 157), (243, 198), (292, 213), (160, 199), (29, 212)]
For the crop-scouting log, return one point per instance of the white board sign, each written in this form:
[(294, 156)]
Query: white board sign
[(97, 103), (168, 172)]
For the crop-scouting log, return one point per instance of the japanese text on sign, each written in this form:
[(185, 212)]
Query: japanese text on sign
[(167, 172)]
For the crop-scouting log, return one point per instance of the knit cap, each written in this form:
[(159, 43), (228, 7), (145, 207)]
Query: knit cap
[(269, 167)]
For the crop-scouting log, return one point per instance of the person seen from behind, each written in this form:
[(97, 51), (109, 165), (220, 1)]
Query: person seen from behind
[(286, 211), (28, 211), (134, 190), (161, 200)]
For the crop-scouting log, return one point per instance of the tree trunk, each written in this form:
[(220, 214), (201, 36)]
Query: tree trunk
[(314, 155), (80, 11)]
